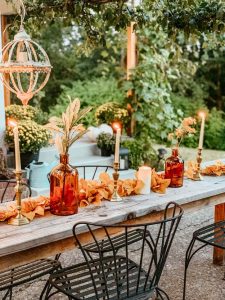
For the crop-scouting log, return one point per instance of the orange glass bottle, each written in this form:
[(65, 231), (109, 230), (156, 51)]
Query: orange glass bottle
[(64, 194), (174, 169)]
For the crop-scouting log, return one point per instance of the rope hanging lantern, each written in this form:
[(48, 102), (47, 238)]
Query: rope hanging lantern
[(25, 66)]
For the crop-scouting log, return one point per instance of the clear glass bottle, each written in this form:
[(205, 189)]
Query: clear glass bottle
[(174, 169), (64, 193)]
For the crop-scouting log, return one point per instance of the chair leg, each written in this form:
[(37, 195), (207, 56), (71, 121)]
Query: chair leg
[(45, 289), (161, 295), (58, 256), (8, 293), (188, 257)]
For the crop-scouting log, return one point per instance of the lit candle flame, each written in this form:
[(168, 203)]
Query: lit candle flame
[(116, 125), (11, 122), (201, 114)]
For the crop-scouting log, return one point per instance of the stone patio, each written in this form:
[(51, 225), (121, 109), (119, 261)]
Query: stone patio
[(205, 281)]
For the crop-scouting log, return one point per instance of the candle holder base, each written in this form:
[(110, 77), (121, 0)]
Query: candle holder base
[(197, 174), (18, 221), (116, 197), (197, 177)]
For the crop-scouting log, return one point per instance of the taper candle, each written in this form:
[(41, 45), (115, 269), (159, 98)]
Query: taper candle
[(144, 174), (201, 137), (17, 148), (117, 146), (12, 123)]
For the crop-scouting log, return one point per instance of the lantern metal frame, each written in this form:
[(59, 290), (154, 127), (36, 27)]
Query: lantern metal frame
[(23, 58)]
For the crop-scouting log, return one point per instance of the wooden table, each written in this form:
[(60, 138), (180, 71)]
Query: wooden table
[(50, 234)]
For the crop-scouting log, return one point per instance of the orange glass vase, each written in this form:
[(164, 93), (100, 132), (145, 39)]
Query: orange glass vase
[(174, 169), (64, 188)]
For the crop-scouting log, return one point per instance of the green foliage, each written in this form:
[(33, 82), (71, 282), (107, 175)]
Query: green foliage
[(73, 60), (106, 141), (91, 93), (215, 130), (190, 16), (94, 18), (160, 63), (188, 96), (141, 152), (175, 39), (32, 136)]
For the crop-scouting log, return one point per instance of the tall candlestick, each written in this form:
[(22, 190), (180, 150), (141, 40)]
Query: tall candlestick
[(144, 174), (117, 146), (201, 137), (17, 148)]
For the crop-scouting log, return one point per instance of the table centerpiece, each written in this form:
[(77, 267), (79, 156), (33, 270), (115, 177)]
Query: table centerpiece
[(174, 165), (64, 190)]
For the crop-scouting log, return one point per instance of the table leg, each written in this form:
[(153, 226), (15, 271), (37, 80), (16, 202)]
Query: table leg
[(218, 254)]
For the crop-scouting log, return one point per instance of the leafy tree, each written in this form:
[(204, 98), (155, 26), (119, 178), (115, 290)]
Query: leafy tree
[(94, 17)]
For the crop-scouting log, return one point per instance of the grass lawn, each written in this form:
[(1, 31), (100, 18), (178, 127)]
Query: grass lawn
[(190, 153)]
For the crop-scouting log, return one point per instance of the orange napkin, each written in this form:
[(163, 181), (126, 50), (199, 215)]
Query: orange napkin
[(159, 184), (191, 169), (6, 212), (31, 206), (93, 192), (215, 170)]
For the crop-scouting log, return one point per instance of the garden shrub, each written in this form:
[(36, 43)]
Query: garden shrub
[(141, 152), (215, 130), (91, 93)]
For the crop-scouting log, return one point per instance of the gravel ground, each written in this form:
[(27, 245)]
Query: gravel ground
[(205, 281)]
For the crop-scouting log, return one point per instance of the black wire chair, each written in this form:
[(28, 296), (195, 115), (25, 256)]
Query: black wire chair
[(91, 172), (28, 272), (213, 235), (6, 188), (118, 275)]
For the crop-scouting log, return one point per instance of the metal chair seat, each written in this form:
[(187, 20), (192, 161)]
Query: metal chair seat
[(76, 281), (213, 234), (26, 273), (119, 277), (118, 241)]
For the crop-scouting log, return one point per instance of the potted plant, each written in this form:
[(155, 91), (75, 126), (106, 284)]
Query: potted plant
[(105, 142), (110, 113), (32, 138), (25, 113)]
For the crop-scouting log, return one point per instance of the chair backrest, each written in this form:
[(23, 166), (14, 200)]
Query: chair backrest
[(92, 172), (135, 268), (7, 190), (89, 172)]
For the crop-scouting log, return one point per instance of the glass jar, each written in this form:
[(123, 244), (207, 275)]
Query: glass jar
[(174, 169), (64, 193)]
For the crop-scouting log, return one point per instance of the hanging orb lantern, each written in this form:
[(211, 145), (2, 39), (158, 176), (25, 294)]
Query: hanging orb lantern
[(24, 66)]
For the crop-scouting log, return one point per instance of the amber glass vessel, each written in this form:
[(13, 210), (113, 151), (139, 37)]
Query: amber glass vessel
[(174, 169), (64, 188)]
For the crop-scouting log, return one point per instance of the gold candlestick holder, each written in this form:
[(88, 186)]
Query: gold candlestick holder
[(19, 219), (197, 175), (115, 196)]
